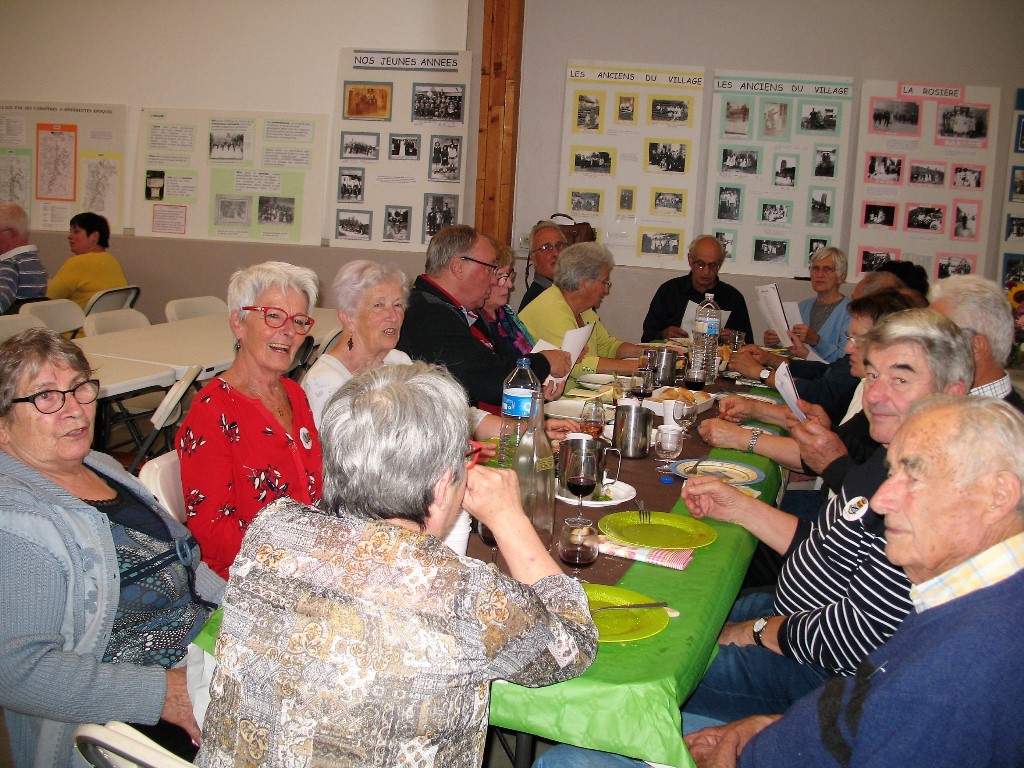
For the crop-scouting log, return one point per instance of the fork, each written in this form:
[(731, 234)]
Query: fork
[(644, 515)]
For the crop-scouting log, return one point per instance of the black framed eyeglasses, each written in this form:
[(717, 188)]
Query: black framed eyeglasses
[(52, 400), (276, 317), (507, 278), (492, 267)]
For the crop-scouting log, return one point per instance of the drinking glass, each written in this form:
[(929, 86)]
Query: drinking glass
[(642, 383), (592, 418), (581, 474), (738, 339), (577, 544), (487, 538), (668, 444), (684, 412), (693, 376)]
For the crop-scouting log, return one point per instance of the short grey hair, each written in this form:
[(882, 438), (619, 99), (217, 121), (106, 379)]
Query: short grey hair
[(980, 306), (698, 238), (246, 284), (387, 436), (24, 355), (946, 348), (449, 243), (357, 276), (13, 215), (984, 428), (842, 265), (543, 224), (582, 261)]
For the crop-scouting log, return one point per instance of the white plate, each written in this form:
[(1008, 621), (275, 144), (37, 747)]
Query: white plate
[(595, 380), (572, 409), (618, 491)]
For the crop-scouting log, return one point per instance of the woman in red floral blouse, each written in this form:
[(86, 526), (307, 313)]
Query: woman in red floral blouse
[(249, 437)]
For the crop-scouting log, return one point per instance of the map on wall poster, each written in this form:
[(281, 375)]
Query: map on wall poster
[(223, 175), (59, 159), (923, 185), (779, 149), (1011, 225), (399, 146), (631, 143)]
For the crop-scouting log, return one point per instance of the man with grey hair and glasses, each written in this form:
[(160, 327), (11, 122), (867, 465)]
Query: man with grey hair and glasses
[(22, 274), (546, 243)]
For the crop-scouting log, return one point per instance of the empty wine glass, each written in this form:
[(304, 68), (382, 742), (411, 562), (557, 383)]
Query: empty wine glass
[(581, 474), (487, 538), (577, 544), (684, 412), (592, 418), (668, 444)]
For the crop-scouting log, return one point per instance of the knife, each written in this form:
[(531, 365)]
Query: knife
[(628, 606)]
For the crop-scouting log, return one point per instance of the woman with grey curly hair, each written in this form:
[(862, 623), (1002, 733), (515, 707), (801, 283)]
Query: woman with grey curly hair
[(249, 437), (582, 280)]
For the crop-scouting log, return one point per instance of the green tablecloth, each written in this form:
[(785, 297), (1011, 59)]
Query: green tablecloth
[(628, 701)]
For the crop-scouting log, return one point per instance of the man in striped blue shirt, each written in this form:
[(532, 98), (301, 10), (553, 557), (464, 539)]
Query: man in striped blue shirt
[(22, 274)]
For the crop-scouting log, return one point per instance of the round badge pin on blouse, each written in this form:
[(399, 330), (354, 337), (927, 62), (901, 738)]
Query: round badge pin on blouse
[(306, 438)]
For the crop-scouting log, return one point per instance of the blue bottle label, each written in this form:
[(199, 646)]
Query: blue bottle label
[(517, 402)]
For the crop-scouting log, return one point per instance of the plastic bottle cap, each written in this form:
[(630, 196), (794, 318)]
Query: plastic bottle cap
[(666, 480)]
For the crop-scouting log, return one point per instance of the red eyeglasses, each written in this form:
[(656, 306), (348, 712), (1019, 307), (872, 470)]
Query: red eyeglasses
[(275, 317), (473, 454)]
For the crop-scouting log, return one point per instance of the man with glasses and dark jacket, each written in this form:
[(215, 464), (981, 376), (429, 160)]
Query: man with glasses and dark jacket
[(546, 242)]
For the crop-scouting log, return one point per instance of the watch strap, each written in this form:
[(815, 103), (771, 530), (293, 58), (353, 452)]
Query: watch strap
[(754, 434), (757, 632)]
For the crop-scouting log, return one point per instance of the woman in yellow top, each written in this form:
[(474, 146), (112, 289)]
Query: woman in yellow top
[(91, 269)]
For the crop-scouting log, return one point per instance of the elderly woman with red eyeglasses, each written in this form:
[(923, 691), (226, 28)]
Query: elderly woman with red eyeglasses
[(249, 437)]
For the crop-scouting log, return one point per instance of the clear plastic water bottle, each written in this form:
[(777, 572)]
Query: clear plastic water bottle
[(534, 464), (516, 403), (706, 327)]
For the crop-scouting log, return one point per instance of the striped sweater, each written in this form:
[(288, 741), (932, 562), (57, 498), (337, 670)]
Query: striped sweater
[(841, 596)]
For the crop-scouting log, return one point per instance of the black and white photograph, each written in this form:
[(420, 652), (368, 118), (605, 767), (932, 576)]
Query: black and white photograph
[(667, 156), (1018, 140), (815, 244), (598, 161), (819, 118), (950, 264), (879, 215), (1013, 270), (730, 203), (962, 122), (232, 210), (626, 198), (229, 146), (588, 111), (668, 202), (358, 145), (771, 251), (739, 161), (1014, 227), (894, 116), (819, 206), (627, 108), (353, 225), (737, 117), (825, 161), (397, 221), (276, 210), (923, 217), (968, 176), (445, 158), (775, 119), (667, 110), (437, 102), (927, 173), (350, 185), (582, 201), (777, 212), (403, 146), (155, 181), (728, 240), (785, 170), (884, 169), (660, 242), (966, 217), (1017, 184), (873, 258), (438, 211)]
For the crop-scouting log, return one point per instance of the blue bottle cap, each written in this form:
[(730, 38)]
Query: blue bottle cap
[(666, 480)]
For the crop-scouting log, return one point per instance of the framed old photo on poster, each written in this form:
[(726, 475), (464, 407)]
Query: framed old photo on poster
[(367, 100)]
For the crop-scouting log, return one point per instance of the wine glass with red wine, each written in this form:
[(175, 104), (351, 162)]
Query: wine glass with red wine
[(577, 544), (581, 474)]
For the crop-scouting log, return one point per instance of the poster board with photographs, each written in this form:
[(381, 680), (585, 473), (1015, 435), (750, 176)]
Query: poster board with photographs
[(778, 153), (226, 175), (58, 159), (399, 140), (631, 143), (922, 189), (1011, 228)]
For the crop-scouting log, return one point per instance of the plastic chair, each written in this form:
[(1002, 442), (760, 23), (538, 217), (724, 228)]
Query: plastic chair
[(164, 419), (194, 306), (116, 745), (113, 298), (14, 324), (302, 360), (330, 342), (114, 320), (162, 476), (60, 315)]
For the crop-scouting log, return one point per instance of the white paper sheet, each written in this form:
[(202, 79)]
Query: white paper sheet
[(690, 317), (787, 388), (573, 342), (770, 302)]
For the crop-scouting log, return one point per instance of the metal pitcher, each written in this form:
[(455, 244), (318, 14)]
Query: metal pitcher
[(665, 360), (577, 441), (632, 431)]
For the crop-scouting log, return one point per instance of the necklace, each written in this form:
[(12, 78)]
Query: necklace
[(273, 406)]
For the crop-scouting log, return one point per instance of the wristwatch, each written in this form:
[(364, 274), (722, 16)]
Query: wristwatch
[(759, 626), (754, 434), (764, 374)]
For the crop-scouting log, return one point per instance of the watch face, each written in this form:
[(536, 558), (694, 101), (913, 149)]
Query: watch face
[(765, 373), (760, 624)]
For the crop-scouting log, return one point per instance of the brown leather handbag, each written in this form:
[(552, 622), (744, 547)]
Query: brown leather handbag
[(575, 231)]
